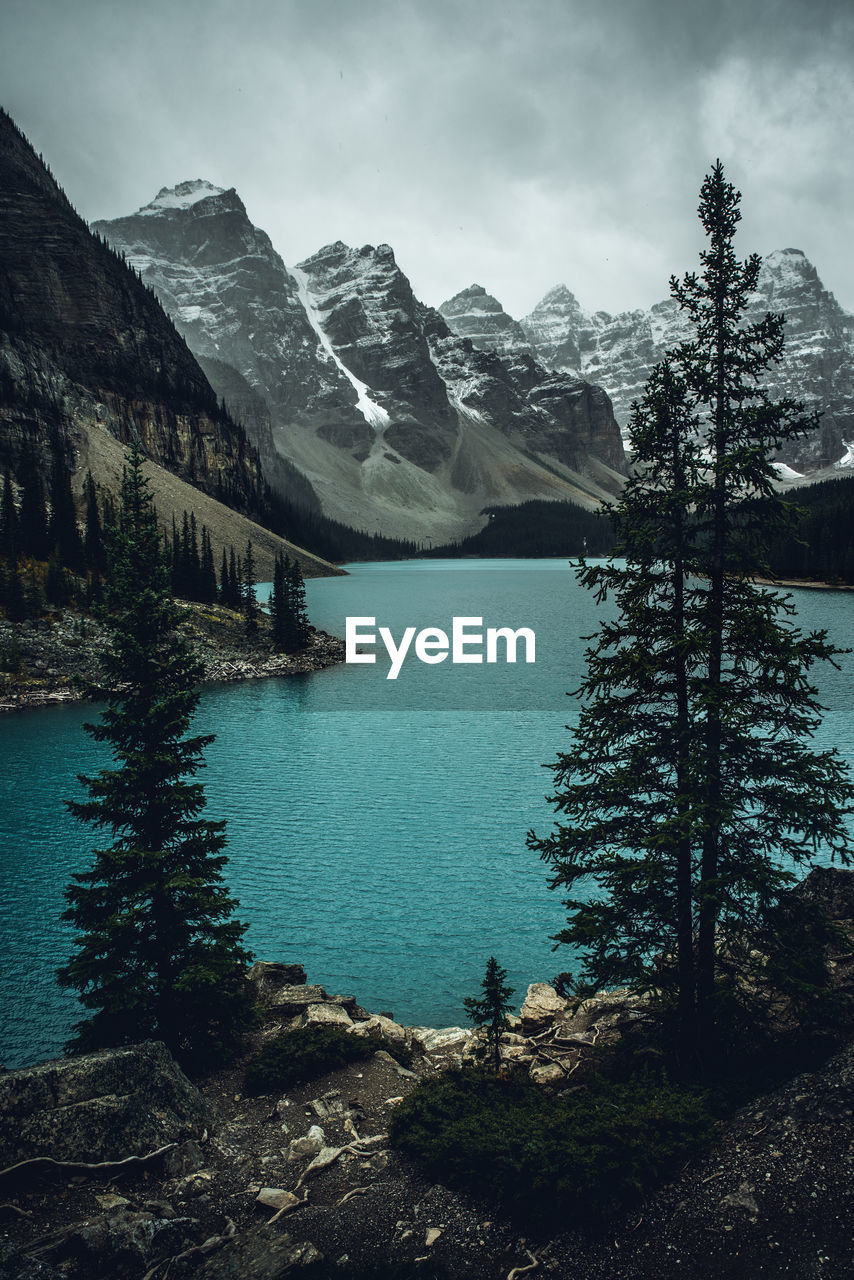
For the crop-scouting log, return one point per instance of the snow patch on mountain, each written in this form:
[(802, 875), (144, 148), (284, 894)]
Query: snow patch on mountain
[(374, 414), (183, 196), (619, 351)]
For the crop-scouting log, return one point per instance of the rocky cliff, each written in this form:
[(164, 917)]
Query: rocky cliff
[(475, 314), (618, 351), (85, 346), (399, 426)]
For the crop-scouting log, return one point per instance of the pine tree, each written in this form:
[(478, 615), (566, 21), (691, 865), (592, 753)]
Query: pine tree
[(159, 953), (63, 536), (32, 515), (690, 789), (490, 1011), (301, 628), (207, 571), (9, 530), (234, 580), (280, 609), (223, 579), (93, 542), (250, 600)]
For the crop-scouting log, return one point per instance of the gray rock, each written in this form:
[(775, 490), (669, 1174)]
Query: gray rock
[(15, 1265), (271, 975), (310, 1145), (546, 1073), (99, 1106), (125, 1243), (276, 1198), (326, 1015), (264, 1253), (380, 1028), (542, 1005), (431, 1039)]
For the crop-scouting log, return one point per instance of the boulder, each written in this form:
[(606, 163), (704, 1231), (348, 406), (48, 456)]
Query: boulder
[(831, 888), (546, 1073), (431, 1039), (99, 1106), (378, 1027), (289, 1001), (313, 1142), (542, 1005), (124, 1243), (326, 1015), (271, 975), (264, 1253), (278, 1199)]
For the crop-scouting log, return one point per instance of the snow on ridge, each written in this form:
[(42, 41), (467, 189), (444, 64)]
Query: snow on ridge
[(785, 472), (182, 196), (374, 414), (846, 462)]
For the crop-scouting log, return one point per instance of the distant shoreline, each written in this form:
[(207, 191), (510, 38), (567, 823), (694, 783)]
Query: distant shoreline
[(804, 584), (47, 661)]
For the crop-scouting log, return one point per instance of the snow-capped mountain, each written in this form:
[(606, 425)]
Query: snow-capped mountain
[(618, 351), (475, 314), (400, 426), (86, 353)]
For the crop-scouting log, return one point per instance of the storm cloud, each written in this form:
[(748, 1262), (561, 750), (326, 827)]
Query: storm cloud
[(515, 144)]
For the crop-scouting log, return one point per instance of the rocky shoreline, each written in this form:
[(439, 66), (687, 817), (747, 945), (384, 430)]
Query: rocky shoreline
[(51, 660), (115, 1165)]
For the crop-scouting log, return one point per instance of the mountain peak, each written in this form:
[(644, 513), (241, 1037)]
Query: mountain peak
[(182, 196)]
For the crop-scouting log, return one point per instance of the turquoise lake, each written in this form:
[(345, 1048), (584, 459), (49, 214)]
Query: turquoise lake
[(376, 828)]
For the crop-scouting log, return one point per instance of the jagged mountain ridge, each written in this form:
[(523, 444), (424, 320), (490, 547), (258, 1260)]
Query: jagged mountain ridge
[(618, 351), (85, 347), (400, 426), (475, 314)]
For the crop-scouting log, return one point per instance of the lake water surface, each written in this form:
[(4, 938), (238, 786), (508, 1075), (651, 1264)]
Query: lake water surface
[(376, 828)]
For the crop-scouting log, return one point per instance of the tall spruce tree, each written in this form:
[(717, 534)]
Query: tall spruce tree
[(296, 586), (63, 536), (159, 953), (9, 531), (691, 791), (250, 600)]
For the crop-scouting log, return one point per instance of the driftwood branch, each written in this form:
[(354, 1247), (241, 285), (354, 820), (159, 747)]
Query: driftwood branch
[(521, 1271), (45, 1164), (207, 1246), (14, 1208), (288, 1208), (352, 1148), (357, 1191)]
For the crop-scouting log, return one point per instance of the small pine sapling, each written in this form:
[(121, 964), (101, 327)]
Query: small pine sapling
[(490, 1011)]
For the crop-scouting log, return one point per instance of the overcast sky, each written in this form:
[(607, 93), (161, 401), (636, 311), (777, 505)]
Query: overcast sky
[(514, 143)]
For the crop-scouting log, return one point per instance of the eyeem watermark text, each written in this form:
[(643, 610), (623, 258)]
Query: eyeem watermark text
[(432, 645)]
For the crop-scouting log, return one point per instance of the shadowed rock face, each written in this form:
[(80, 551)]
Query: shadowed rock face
[(371, 318), (99, 1106), (82, 339), (234, 301), (619, 351), (400, 426), (475, 314)]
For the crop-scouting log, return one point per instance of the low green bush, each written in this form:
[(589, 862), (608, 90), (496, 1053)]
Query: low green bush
[(295, 1057), (572, 1160)]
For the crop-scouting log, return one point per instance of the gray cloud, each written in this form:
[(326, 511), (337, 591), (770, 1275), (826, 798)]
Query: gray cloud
[(517, 143)]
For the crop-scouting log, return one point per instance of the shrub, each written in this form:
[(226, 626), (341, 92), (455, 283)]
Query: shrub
[(295, 1057), (580, 1158)]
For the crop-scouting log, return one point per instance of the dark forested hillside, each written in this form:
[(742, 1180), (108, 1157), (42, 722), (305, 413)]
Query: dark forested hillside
[(536, 529), (822, 546)]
